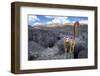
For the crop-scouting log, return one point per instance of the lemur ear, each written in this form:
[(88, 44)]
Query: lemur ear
[(65, 37)]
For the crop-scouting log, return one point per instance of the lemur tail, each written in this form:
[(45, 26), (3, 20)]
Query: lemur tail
[(76, 24)]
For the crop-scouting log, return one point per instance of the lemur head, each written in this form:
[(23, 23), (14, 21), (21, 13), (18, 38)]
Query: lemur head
[(66, 39)]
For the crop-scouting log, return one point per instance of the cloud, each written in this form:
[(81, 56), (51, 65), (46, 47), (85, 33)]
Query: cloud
[(49, 16), (49, 22), (66, 21), (60, 20), (83, 22), (38, 23), (55, 19), (33, 19)]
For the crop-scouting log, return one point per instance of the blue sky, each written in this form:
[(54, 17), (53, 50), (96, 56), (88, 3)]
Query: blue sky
[(34, 20)]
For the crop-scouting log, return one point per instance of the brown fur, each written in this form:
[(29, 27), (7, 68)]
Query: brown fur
[(69, 44)]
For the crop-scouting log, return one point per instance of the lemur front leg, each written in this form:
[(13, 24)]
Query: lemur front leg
[(70, 50), (65, 50), (72, 46)]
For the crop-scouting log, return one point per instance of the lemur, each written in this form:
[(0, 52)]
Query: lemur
[(69, 43)]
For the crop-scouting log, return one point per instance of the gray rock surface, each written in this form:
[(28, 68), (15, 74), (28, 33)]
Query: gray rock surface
[(47, 44)]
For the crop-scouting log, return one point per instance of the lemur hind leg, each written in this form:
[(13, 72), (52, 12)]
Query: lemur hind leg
[(65, 50), (72, 50), (72, 46)]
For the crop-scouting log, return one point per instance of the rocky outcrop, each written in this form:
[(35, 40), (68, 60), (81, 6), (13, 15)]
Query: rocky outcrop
[(46, 44)]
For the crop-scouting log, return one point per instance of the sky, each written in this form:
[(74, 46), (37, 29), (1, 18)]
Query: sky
[(34, 20)]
